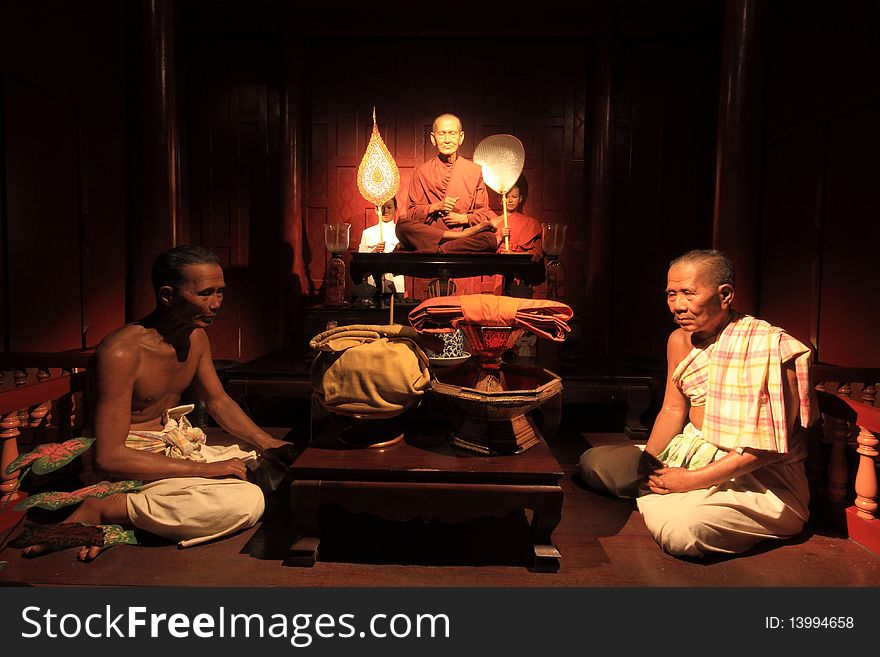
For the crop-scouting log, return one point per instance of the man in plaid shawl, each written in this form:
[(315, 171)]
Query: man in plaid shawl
[(723, 468)]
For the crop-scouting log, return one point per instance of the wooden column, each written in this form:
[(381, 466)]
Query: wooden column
[(737, 167), (597, 330), (153, 151), (292, 191)]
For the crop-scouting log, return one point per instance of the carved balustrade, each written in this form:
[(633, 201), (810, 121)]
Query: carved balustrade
[(40, 395), (851, 422)]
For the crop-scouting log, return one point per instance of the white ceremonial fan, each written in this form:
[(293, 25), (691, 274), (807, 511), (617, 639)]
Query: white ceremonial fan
[(502, 158)]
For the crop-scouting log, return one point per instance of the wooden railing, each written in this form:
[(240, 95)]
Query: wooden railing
[(39, 393), (848, 401)]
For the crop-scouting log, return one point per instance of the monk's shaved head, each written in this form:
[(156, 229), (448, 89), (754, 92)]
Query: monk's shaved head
[(446, 117)]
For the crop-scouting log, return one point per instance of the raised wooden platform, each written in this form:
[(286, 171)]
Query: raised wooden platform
[(447, 265), (604, 543), (423, 476)]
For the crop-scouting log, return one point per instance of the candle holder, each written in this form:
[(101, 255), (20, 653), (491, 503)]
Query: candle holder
[(336, 238), (553, 240)]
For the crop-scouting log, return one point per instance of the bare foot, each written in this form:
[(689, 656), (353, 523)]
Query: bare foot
[(85, 554), (89, 552), (91, 511)]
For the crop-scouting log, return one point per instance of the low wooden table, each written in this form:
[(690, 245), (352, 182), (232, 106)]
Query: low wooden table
[(444, 266), (423, 476)]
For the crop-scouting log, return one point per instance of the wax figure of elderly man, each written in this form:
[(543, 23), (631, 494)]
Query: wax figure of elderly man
[(192, 492), (723, 467), (448, 206)]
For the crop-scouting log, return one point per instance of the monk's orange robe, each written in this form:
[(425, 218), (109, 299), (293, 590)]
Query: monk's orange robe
[(432, 181), (525, 233)]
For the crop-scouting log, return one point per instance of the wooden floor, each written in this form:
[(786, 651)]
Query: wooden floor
[(603, 541)]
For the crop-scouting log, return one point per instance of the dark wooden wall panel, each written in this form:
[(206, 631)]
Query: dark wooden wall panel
[(62, 66), (820, 205), (317, 170), (73, 49), (42, 221), (823, 59), (16, 39), (97, 62), (232, 101), (790, 247), (850, 296), (552, 190), (664, 134), (102, 209)]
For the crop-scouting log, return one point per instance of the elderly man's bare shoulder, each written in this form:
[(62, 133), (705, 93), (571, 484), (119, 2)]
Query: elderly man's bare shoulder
[(679, 345), (126, 346)]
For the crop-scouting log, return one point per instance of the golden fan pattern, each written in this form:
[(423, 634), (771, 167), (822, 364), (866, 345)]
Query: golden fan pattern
[(378, 177)]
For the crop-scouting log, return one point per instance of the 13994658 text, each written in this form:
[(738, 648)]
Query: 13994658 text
[(809, 623)]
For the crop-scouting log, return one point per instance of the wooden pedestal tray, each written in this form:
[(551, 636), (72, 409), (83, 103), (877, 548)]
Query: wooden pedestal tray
[(424, 476), (488, 399), (493, 422)]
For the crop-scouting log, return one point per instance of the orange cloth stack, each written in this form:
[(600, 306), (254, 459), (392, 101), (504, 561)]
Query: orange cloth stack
[(543, 317)]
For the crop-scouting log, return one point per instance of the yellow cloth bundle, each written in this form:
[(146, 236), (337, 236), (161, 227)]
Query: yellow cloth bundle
[(369, 371)]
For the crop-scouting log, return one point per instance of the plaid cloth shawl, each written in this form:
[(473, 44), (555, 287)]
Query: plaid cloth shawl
[(745, 405)]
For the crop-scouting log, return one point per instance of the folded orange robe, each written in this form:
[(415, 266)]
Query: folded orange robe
[(543, 317)]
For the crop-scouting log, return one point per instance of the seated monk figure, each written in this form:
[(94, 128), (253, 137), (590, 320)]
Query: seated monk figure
[(723, 467), (448, 207), (192, 492), (524, 232), (524, 236)]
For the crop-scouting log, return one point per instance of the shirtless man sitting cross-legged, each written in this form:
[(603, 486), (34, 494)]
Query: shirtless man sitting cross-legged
[(192, 492)]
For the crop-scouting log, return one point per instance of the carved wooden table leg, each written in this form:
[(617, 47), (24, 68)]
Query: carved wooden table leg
[(304, 503), (448, 502), (551, 410), (546, 515), (424, 477), (637, 401)]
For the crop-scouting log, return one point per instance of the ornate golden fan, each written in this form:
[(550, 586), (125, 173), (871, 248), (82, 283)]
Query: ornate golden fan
[(502, 158), (378, 177)]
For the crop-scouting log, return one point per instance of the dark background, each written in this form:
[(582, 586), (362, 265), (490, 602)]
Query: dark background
[(650, 128)]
